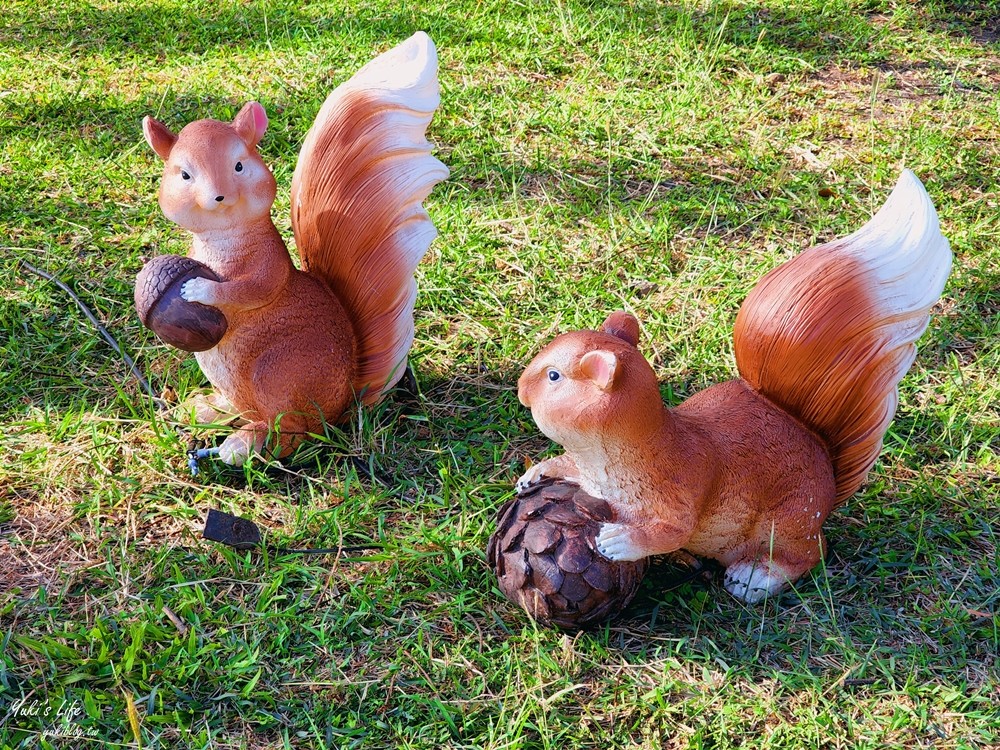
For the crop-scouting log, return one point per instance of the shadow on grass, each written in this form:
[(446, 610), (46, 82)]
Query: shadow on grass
[(976, 19), (197, 29), (847, 33)]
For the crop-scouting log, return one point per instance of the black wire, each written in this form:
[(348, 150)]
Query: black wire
[(100, 329), (325, 550)]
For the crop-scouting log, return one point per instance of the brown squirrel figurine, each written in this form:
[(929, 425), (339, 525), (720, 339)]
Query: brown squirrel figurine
[(745, 472), (302, 345)]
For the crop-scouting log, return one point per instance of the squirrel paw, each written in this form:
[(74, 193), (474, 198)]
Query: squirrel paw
[(236, 448), (531, 477), (560, 467), (614, 541), (753, 580), (198, 290)]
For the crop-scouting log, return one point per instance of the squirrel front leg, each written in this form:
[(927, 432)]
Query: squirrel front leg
[(559, 467), (243, 294), (619, 541), (644, 532), (254, 267)]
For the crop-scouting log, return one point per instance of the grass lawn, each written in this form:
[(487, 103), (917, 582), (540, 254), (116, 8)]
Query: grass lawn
[(653, 156)]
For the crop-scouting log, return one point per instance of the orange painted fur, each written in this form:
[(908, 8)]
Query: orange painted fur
[(301, 346), (746, 471)]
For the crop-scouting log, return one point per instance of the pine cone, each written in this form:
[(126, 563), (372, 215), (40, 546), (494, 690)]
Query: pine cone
[(544, 555)]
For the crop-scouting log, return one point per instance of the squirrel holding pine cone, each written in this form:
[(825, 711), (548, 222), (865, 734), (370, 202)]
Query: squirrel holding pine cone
[(746, 472), (296, 348)]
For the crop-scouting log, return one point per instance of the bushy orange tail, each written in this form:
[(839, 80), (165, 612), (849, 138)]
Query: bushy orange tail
[(363, 172), (829, 334)]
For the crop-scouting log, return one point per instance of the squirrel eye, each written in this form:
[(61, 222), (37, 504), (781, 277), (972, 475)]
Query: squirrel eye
[(239, 166), (554, 375), (185, 175)]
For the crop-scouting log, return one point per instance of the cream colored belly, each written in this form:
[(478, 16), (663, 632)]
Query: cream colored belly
[(213, 364)]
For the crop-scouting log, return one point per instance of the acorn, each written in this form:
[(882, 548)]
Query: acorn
[(190, 326), (546, 561)]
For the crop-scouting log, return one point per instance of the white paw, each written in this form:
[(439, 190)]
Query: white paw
[(752, 581), (198, 290), (530, 477), (615, 542), (235, 449)]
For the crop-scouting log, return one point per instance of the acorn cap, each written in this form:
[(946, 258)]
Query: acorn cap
[(190, 326), (546, 561)]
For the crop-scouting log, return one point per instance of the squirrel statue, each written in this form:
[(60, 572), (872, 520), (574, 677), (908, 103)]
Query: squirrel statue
[(746, 471), (302, 345)]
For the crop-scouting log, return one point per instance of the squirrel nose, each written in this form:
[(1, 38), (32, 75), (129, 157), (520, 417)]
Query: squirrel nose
[(219, 198)]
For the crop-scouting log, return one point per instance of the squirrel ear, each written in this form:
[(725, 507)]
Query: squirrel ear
[(250, 123), (600, 366), (158, 136), (622, 325)]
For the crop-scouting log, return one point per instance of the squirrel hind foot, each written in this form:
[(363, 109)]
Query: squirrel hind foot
[(237, 448), (752, 581), (260, 438)]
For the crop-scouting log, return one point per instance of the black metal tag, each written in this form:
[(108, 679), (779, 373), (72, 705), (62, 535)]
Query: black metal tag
[(234, 531)]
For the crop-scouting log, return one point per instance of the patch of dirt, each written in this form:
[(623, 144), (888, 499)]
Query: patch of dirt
[(38, 547), (879, 93), (884, 92)]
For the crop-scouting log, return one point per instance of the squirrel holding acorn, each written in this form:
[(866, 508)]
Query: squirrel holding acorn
[(294, 348), (746, 471)]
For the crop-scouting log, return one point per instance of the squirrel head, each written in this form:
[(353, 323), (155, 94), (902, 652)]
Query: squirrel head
[(590, 387), (213, 177)]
